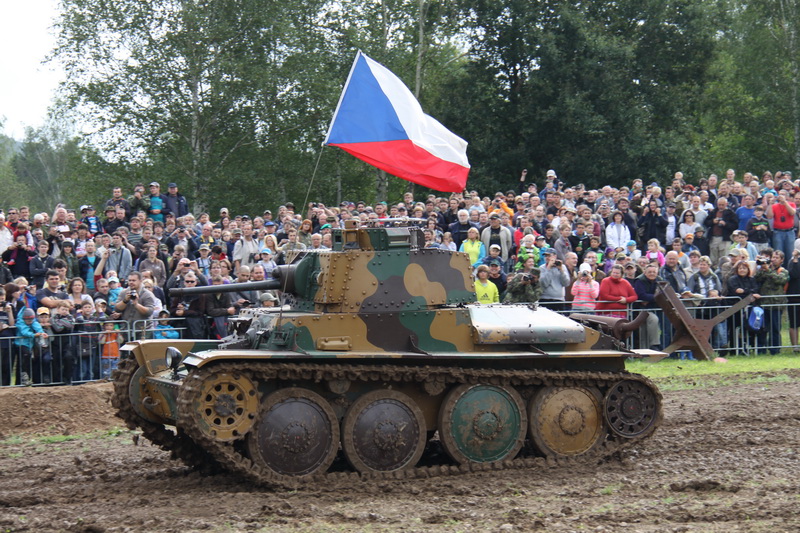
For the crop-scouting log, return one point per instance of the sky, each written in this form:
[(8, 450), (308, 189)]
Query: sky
[(27, 86)]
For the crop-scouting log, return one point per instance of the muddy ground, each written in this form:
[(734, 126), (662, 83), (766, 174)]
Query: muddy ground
[(725, 459)]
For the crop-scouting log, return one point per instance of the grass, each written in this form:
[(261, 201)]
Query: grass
[(16, 440), (673, 374)]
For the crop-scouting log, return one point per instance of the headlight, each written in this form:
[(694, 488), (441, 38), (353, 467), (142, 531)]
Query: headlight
[(173, 357)]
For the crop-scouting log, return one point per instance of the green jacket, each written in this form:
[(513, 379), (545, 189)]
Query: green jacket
[(773, 283), (517, 292)]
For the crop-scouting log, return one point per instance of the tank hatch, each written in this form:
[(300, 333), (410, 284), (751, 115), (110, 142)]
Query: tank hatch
[(522, 325)]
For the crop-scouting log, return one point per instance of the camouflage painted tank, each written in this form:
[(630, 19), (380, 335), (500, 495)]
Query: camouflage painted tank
[(380, 357)]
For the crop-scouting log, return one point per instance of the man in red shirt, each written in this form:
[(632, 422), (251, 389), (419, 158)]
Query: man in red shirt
[(783, 234)]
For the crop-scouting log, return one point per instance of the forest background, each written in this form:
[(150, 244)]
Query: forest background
[(232, 99)]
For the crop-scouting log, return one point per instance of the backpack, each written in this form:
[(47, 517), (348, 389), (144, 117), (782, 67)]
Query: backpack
[(755, 320)]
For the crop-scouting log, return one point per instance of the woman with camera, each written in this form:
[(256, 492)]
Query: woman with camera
[(585, 290)]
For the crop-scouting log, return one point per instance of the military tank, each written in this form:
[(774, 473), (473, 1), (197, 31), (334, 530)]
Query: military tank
[(378, 363)]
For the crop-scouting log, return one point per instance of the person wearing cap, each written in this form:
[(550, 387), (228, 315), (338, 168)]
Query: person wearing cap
[(585, 290), (28, 330), (90, 219), (500, 235), (176, 202), (632, 251), (758, 229), (498, 277), (163, 329), (485, 291), (782, 214), (646, 286), (158, 203)]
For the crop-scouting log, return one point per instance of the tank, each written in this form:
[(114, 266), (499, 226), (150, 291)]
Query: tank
[(378, 363)]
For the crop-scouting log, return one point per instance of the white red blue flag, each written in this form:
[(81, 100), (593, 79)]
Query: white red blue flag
[(379, 121)]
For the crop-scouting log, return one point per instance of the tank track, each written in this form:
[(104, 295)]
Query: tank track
[(229, 456), (180, 445)]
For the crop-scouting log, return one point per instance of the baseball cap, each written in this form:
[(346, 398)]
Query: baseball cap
[(204, 246), (541, 237), (237, 231), (68, 242), (43, 311), (171, 185), (584, 268), (689, 235), (268, 297), (325, 226), (84, 208), (548, 251), (269, 223), (631, 243), (495, 246), (113, 279), (494, 262), (266, 251), (99, 301), (110, 208), (621, 255), (551, 173), (154, 184), (494, 216)]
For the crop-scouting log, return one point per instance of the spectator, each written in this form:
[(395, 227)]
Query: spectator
[(554, 280), (473, 247), (154, 265), (191, 307), (499, 235), (585, 290), (758, 229), (497, 276), (41, 263), (110, 340), (615, 294), (772, 278), (705, 285), (176, 203), (742, 284), (76, 294), (158, 203), (654, 253), (652, 224), (28, 329), (485, 291), (721, 224), (782, 213), (646, 286), (459, 229), (118, 257), (163, 329), (18, 257), (135, 304)]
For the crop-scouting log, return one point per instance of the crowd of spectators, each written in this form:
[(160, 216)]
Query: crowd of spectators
[(100, 274)]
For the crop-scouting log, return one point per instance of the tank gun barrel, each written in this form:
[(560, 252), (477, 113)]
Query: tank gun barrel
[(283, 280), (266, 285)]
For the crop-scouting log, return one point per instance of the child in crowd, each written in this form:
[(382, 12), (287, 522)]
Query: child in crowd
[(113, 290), (28, 330), (91, 219), (110, 341), (88, 324), (163, 329), (632, 252), (654, 252), (43, 349), (267, 262), (63, 346)]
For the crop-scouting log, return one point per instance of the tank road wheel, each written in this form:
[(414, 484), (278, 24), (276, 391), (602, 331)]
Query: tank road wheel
[(226, 406), (296, 433), (482, 423), (632, 408), (383, 431), (565, 421)]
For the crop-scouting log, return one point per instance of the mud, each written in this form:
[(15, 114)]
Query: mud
[(725, 459)]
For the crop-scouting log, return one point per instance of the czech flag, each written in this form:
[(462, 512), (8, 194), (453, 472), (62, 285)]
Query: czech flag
[(379, 121)]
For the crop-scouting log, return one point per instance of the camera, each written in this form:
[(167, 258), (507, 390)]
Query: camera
[(133, 295), (761, 261), (558, 262), (526, 277)]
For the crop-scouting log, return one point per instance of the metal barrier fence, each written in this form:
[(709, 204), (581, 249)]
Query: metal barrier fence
[(77, 357), (730, 337)]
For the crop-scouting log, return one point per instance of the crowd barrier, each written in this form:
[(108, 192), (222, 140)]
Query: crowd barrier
[(77, 357)]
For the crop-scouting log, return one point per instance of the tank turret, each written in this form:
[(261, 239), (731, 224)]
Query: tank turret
[(376, 346)]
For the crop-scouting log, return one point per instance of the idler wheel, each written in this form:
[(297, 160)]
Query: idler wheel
[(226, 406), (296, 433), (383, 431), (631, 408), (565, 421), (482, 423)]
